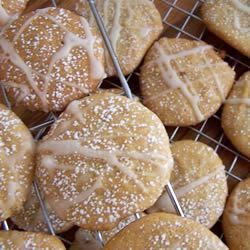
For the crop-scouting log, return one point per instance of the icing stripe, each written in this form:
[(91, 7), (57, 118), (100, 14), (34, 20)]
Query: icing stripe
[(4, 16), (237, 24), (172, 79), (164, 201), (241, 6), (18, 61), (236, 101), (74, 147), (216, 79), (61, 206)]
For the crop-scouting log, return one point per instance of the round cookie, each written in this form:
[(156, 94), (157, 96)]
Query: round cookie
[(31, 218), (105, 158), (164, 231), (184, 82), (9, 9), (236, 115), (199, 182), (16, 161), (50, 57), (133, 25), (236, 217), (86, 240), (229, 20), (16, 240)]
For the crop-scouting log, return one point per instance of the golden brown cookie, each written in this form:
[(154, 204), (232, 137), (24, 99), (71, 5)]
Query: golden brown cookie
[(17, 163), (9, 9), (184, 82), (165, 231), (199, 182), (87, 240), (49, 58), (236, 115), (230, 20), (16, 240), (236, 217), (133, 25), (105, 158), (31, 218)]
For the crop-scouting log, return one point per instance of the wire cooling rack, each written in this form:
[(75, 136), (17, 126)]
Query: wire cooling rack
[(181, 19)]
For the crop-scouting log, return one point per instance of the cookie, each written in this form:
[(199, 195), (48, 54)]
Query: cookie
[(31, 218), (184, 82), (133, 25), (229, 20), (164, 231), (236, 115), (105, 158), (49, 58), (16, 240), (10, 9), (199, 182), (86, 240), (236, 217), (17, 151)]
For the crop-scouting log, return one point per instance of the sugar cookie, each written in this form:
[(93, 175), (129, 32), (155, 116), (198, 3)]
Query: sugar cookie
[(16, 161), (230, 20), (133, 25), (105, 158), (184, 82), (31, 218), (16, 240), (165, 231), (236, 115), (236, 217), (199, 181), (50, 57), (9, 9), (86, 240)]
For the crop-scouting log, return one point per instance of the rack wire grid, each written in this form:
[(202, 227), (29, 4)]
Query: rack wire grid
[(181, 19)]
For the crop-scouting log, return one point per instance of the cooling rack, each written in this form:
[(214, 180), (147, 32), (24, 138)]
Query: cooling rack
[(181, 19)]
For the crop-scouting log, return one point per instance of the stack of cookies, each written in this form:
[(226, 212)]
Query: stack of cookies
[(105, 162)]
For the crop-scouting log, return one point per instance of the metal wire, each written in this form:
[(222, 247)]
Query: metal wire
[(110, 48), (173, 5)]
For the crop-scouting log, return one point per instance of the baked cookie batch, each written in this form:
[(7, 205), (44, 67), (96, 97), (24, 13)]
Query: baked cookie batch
[(104, 164)]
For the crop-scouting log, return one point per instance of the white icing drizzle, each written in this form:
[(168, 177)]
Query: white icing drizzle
[(164, 202), (116, 27), (145, 31), (241, 6), (237, 24), (25, 25), (70, 41), (4, 16), (236, 101), (18, 61), (74, 147), (245, 9), (115, 30), (235, 212), (216, 79), (61, 206), (23, 88), (172, 79), (75, 110)]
